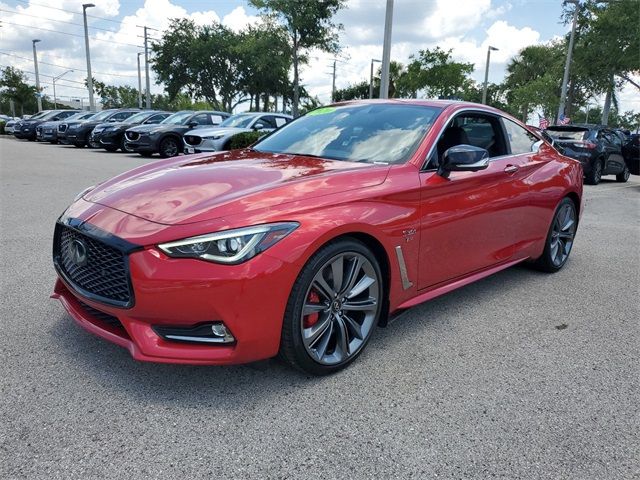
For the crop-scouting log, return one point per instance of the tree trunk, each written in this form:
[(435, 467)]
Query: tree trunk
[(265, 103), (296, 91), (525, 113), (606, 108), (257, 105), (251, 102)]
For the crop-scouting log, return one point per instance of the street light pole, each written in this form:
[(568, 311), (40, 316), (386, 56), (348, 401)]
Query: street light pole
[(139, 82), (371, 77), (55, 105), (146, 68), (486, 74), (386, 51), (565, 78), (35, 65), (92, 105)]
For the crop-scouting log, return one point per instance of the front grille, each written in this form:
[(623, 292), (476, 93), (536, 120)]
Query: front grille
[(62, 128), (132, 135), (193, 140), (102, 271), (102, 316)]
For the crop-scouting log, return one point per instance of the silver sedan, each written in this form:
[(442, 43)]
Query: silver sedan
[(216, 139)]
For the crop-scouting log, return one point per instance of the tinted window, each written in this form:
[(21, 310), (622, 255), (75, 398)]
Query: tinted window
[(153, 119), (387, 133), (66, 114), (268, 121), (520, 139), (177, 118), (118, 117), (238, 121), (201, 119), (561, 134)]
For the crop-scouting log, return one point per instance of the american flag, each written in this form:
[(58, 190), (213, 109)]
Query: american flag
[(544, 123), (564, 120)]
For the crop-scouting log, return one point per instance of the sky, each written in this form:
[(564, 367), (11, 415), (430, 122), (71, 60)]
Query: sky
[(467, 27)]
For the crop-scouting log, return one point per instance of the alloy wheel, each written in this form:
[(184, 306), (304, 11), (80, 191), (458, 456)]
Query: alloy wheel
[(169, 147), (340, 308), (562, 234)]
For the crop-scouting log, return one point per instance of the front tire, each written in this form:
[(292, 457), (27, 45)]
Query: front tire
[(624, 176), (559, 238), (595, 175), (169, 147), (334, 306)]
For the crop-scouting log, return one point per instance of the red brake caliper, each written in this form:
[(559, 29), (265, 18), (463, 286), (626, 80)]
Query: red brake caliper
[(312, 318)]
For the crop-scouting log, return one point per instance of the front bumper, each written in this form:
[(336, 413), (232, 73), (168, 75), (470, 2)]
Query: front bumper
[(144, 143), (49, 135), (250, 299), (110, 139), (207, 145)]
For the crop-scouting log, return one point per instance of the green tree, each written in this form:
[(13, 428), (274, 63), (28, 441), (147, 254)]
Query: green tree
[(112, 96), (14, 86), (309, 24), (607, 49), (435, 72)]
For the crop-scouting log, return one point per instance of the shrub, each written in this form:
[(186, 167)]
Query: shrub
[(2, 124), (243, 140)]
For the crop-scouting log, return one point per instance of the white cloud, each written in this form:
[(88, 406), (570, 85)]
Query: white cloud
[(238, 19), (451, 18)]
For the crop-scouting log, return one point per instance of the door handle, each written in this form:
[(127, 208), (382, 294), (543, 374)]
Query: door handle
[(511, 169)]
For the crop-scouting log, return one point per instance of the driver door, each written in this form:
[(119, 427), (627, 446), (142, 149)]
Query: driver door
[(467, 220)]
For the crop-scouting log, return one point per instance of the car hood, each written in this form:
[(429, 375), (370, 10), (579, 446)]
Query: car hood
[(224, 131), (156, 126), (194, 189)]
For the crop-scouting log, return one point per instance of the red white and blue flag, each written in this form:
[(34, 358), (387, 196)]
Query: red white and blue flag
[(544, 123), (564, 120)]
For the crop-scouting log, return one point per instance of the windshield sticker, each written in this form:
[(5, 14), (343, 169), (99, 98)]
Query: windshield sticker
[(321, 111)]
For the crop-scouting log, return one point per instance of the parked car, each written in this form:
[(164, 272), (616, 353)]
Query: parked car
[(305, 243), (17, 126), (48, 131), (68, 114), (9, 126), (217, 138), (77, 132), (166, 138), (110, 136), (631, 153), (28, 127), (598, 148)]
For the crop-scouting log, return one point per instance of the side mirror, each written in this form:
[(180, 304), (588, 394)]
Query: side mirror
[(112, 120), (192, 124), (463, 158), (259, 126)]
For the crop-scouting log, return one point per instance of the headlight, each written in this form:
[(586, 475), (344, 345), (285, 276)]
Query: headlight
[(83, 192), (230, 246), (215, 137)]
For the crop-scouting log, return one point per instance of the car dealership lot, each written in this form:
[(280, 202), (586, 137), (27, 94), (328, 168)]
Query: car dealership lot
[(522, 375)]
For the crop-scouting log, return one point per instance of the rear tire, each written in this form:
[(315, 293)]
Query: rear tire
[(595, 175), (624, 176), (560, 238), (341, 289)]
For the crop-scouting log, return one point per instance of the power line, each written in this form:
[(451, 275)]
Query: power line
[(71, 34), (55, 20), (67, 66), (26, 2)]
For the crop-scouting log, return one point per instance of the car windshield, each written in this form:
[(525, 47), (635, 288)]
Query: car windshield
[(102, 115), (177, 118), (39, 115), (387, 133), (138, 117), (568, 134), (50, 115), (238, 121), (77, 116)]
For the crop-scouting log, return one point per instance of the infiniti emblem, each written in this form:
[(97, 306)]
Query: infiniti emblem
[(78, 253)]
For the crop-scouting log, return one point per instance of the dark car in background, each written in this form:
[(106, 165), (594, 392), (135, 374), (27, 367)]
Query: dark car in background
[(28, 127), (110, 136), (48, 131), (631, 153), (166, 137), (77, 133), (598, 148)]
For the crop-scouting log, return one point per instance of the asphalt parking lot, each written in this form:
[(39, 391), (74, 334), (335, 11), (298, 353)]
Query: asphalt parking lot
[(522, 375)]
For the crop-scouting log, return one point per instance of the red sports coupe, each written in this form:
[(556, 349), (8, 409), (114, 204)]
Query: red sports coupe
[(303, 244)]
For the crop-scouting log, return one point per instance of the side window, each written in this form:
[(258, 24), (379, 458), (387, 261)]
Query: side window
[(118, 117), (201, 119), (156, 118), (520, 139), (216, 119), (268, 121), (280, 121), (66, 114)]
